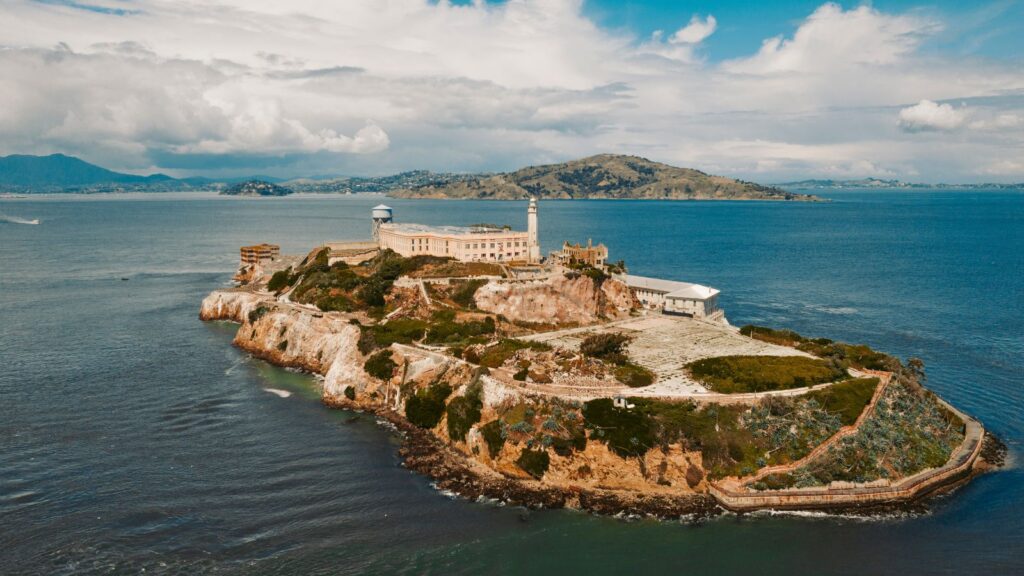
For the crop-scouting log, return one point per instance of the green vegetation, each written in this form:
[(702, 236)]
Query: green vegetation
[(280, 280), (464, 291), (426, 407), (534, 462), (846, 399), (907, 432), (627, 432), (496, 355), (257, 313), (737, 374), (463, 412), (633, 375), (282, 345), (843, 355), (400, 330), (494, 435), (350, 392), (335, 302), (443, 328), (380, 365)]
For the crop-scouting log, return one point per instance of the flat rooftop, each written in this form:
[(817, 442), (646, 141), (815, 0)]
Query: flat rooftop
[(671, 288), (407, 228)]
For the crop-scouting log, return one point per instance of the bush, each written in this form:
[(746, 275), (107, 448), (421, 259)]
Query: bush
[(257, 313), (329, 303), (845, 355), (521, 374), (494, 356), (380, 365), (534, 462), (282, 345), (444, 329), (280, 280), (350, 392), (737, 374), (608, 346), (400, 330), (426, 407), (847, 399), (633, 375), (464, 292), (627, 432), (463, 412), (494, 435)]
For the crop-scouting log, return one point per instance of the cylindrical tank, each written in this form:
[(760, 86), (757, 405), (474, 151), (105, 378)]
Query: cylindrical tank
[(381, 215)]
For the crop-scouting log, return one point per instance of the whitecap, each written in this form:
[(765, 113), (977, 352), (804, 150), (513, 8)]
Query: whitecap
[(279, 392)]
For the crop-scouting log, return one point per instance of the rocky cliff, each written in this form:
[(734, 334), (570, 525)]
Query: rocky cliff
[(556, 300)]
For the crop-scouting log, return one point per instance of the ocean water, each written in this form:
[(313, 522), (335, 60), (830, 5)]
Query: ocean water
[(134, 438)]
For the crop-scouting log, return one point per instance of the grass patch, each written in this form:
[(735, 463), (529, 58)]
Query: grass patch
[(633, 375), (846, 399), (426, 407), (534, 462), (380, 365), (463, 293), (845, 355), (496, 355), (609, 346), (443, 328), (738, 374)]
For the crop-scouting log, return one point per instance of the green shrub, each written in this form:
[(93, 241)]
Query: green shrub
[(521, 374), (495, 355), (494, 435), (464, 292), (534, 462), (280, 280), (282, 345), (845, 355), (609, 346), (329, 303), (350, 392), (633, 375), (380, 365), (444, 330), (846, 399), (736, 374), (627, 432), (400, 330), (426, 407), (463, 412), (257, 313)]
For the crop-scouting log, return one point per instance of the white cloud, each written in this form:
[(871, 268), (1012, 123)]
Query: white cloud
[(366, 86), (927, 115)]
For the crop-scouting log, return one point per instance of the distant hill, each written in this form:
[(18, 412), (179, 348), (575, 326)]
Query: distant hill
[(889, 184), (602, 176), (256, 188), (59, 172)]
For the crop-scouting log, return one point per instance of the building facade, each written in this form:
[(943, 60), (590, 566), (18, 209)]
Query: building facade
[(468, 244), (259, 252), (590, 255), (672, 297)]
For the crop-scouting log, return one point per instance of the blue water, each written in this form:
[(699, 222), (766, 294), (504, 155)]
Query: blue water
[(134, 437)]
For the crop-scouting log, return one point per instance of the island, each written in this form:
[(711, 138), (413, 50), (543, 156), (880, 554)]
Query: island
[(603, 176), (255, 188), (565, 380)]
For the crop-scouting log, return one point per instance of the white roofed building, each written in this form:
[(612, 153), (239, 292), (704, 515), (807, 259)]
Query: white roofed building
[(673, 297)]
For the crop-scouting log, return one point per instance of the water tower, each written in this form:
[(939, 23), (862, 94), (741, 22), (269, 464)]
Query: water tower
[(381, 215)]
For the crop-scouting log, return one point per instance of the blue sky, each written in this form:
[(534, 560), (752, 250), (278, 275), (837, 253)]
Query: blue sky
[(766, 91)]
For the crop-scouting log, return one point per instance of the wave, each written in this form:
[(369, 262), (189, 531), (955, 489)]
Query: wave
[(17, 219), (280, 393)]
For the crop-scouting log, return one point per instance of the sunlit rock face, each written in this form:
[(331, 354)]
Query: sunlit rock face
[(559, 299)]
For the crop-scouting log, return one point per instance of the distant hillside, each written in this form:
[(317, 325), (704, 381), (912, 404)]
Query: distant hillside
[(889, 184), (60, 172), (256, 188), (602, 176)]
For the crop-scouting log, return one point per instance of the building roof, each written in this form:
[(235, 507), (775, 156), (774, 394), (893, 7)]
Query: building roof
[(671, 288), (382, 207), (408, 228)]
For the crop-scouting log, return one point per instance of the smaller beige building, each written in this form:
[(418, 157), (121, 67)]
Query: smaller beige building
[(672, 297), (258, 253), (590, 254)]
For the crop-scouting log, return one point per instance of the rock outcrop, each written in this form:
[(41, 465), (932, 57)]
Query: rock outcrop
[(557, 300)]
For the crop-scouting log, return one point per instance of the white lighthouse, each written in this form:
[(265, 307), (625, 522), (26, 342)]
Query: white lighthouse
[(381, 215), (531, 231)]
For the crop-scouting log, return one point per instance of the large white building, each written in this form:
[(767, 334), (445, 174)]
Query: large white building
[(672, 297), (469, 244)]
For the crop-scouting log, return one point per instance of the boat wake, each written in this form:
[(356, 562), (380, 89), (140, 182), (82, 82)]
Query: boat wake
[(17, 220)]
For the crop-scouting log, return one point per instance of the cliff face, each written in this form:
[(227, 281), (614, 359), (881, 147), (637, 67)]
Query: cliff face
[(560, 299)]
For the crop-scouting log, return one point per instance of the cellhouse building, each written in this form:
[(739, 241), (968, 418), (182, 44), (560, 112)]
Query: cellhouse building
[(481, 243)]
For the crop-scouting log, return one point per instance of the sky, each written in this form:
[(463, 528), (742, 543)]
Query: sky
[(764, 91)]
